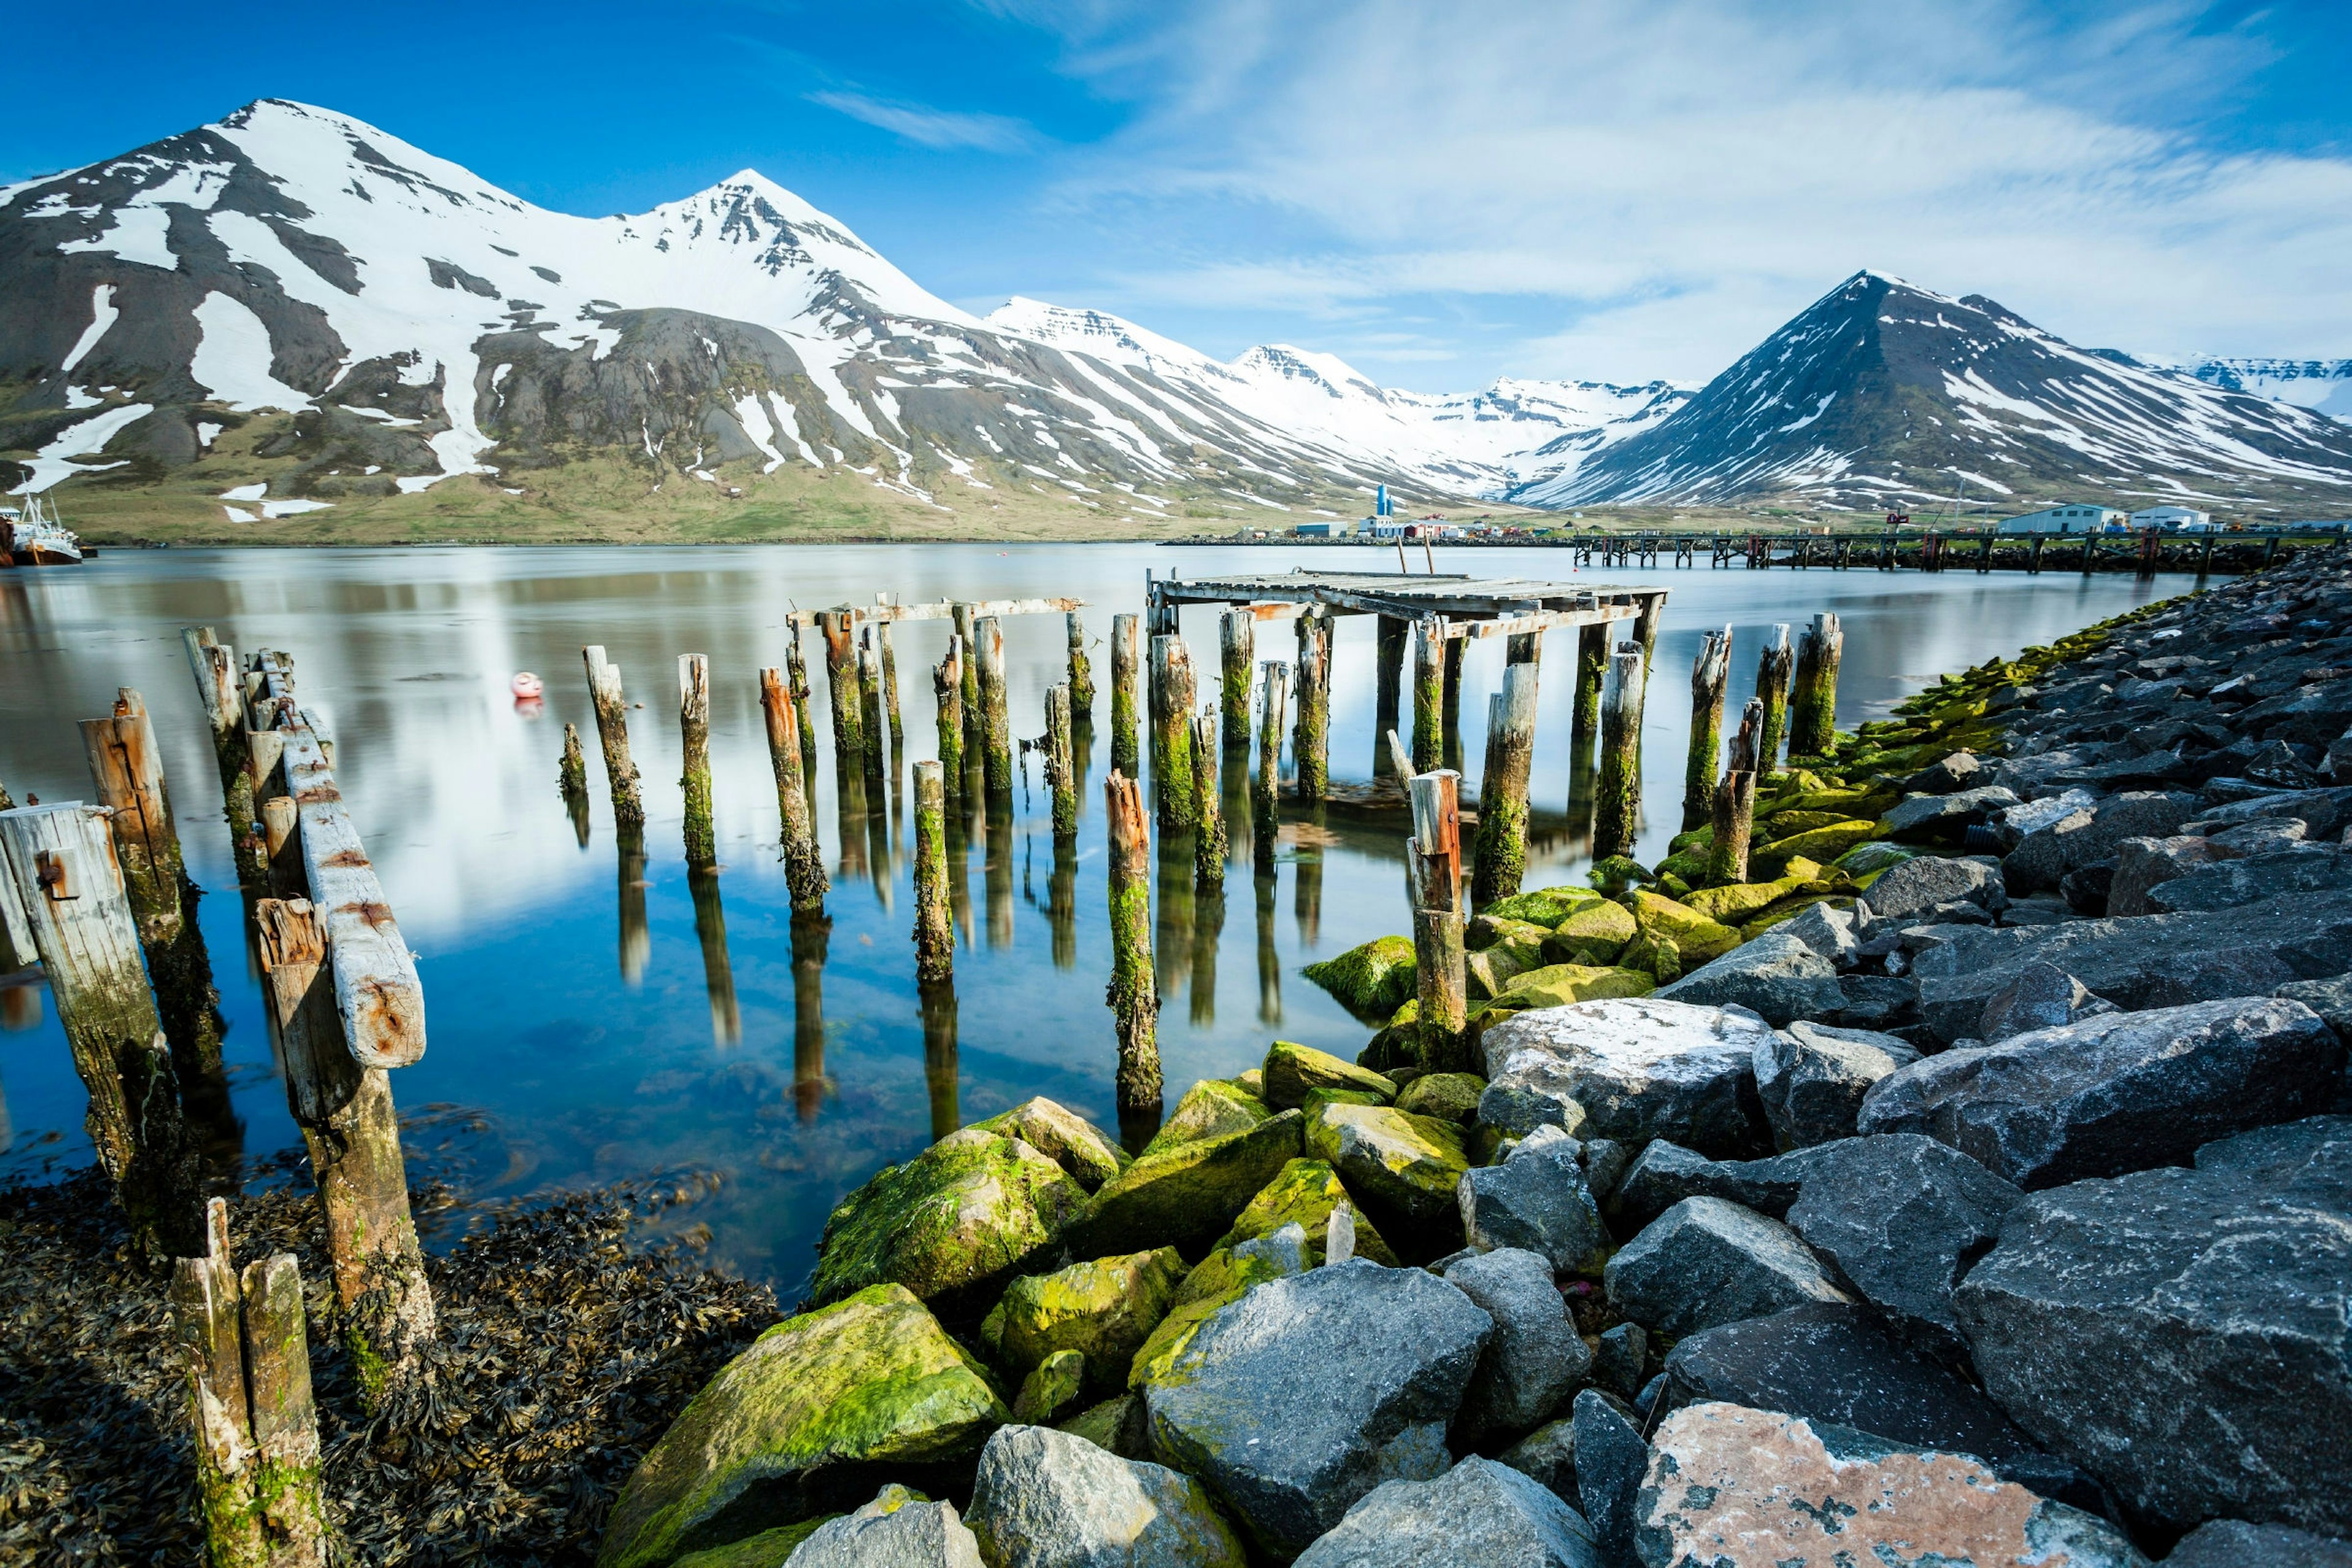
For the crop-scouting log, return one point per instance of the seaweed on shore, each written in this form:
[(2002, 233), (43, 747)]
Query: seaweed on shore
[(564, 1352)]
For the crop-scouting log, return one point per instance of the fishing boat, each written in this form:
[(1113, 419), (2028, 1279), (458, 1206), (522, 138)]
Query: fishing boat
[(33, 536)]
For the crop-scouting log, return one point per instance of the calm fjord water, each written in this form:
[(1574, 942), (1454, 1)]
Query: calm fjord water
[(593, 1018)]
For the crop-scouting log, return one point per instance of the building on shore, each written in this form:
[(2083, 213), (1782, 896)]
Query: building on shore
[(2176, 518), (2072, 519)]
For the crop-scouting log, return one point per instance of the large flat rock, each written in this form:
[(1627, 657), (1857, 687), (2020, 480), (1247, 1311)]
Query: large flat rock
[(1706, 1262), (1478, 1512), (1778, 976), (1631, 1070), (1811, 1078)]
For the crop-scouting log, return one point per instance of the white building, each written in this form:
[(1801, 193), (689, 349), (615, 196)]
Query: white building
[(2066, 519), (2181, 519)]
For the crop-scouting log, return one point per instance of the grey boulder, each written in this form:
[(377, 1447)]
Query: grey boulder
[(1478, 1512), (1297, 1400), (1920, 816), (1906, 892), (1629, 1069), (2330, 998), (2230, 884), (1827, 930), (1538, 1198), (2115, 1093), (2043, 857), (1044, 1499), (1706, 1261), (1666, 1174), (2180, 1333), (1811, 1078), (2043, 997), (1547, 1457), (2233, 1544), (2142, 864), (1621, 1364), (1958, 771), (1533, 1361), (897, 1529), (1611, 1459), (1776, 976)]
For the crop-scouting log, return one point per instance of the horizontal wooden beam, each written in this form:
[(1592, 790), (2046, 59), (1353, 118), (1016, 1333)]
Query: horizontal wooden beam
[(937, 610), (1542, 621)]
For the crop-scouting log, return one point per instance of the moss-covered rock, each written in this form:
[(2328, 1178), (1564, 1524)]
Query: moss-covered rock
[(1304, 1194), (1557, 984), (1185, 1197), (1371, 980), (1652, 954), (1788, 908), (1788, 824), (1822, 844), (1682, 870), (805, 1421), (1545, 907), (767, 1549), (1103, 1309), (1448, 1096), (1737, 901), (1485, 931), (1613, 875), (1701, 940), (1116, 1426), (1865, 859), (1221, 1279), (1052, 1388), (1291, 1069), (1403, 1167), (1599, 923), (951, 1224), (1062, 1136), (1316, 1097), (1251, 1082), (1210, 1109), (1487, 973)]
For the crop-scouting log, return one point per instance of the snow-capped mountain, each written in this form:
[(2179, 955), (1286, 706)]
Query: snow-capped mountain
[(1884, 394), (369, 318), (2321, 386)]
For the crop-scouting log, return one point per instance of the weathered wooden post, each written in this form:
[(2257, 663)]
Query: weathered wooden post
[(67, 902), (1812, 695), (1237, 663), (1061, 768), (946, 700), (1772, 667), (841, 693), (1734, 800), (1455, 649), (694, 735), (1125, 653), (1645, 627), (996, 758), (1265, 807), (934, 932), (874, 756), (1208, 813), (612, 732), (1617, 804), (974, 727), (1394, 632), (1171, 733), (796, 671), (804, 862), (1592, 674), (1710, 673), (1502, 844), (1081, 670), (245, 1348), (890, 686), (219, 688), (1429, 692), (1434, 863), (1310, 743), (1133, 996), (572, 772)]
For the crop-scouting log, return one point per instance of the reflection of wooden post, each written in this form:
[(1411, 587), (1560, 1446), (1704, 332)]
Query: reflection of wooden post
[(811, 935), (1134, 997), (1433, 859), (946, 701), (1428, 693), (637, 939), (1591, 672), (1710, 672), (1812, 695), (67, 899), (1733, 805), (246, 1350), (1061, 768), (841, 693), (1124, 654), (1617, 804), (1208, 813), (717, 968), (1502, 846), (996, 725), (1171, 733), (613, 731), (217, 685), (1236, 662), (1772, 667), (803, 863), (934, 933), (1310, 743), (694, 735), (1394, 633), (1081, 671), (1265, 807), (938, 1006)]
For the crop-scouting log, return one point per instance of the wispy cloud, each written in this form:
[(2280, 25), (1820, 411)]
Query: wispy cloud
[(943, 130)]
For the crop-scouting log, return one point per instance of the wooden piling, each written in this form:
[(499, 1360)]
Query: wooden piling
[(1237, 663), (804, 862), (612, 732), (1772, 667), (1733, 805), (281, 841), (1133, 996), (934, 931), (1710, 673), (1081, 670), (796, 671), (996, 757), (1125, 753), (1061, 768), (1394, 632), (1813, 694), (1433, 865), (1429, 693), (1171, 733), (1455, 648), (1592, 674), (874, 755), (1310, 741), (1265, 807), (841, 694), (694, 735), (1208, 813), (1617, 801), (975, 726), (1502, 842), (572, 772), (219, 688), (67, 898), (946, 700), (890, 689)]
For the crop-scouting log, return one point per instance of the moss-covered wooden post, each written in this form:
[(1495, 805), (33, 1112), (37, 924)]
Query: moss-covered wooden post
[(1394, 633), (1133, 996), (1591, 675), (67, 899), (1502, 842), (890, 687), (804, 862), (974, 739), (1237, 663), (946, 700), (572, 772), (1266, 805), (1812, 695), (1081, 670), (1645, 627), (841, 695), (1208, 806), (796, 671), (1429, 693), (934, 932), (1310, 742), (1617, 803), (1433, 865), (1061, 766), (1457, 648), (612, 732), (1710, 673), (996, 757), (245, 1353), (1772, 667), (694, 743), (1124, 654), (870, 715), (1734, 807), (219, 688), (1171, 733)]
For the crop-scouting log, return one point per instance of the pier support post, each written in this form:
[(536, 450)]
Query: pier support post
[(974, 738), (1061, 764), (890, 689), (1710, 673), (1124, 658), (1171, 733), (875, 753), (1237, 657), (1592, 674), (1429, 693), (1772, 667), (694, 741), (612, 734), (1266, 805), (1812, 696), (841, 693), (1392, 633), (219, 688), (1434, 863), (1617, 800), (1310, 742), (804, 862), (946, 698), (1733, 805), (1208, 807), (996, 758), (934, 932), (572, 772), (796, 672), (1502, 843), (1081, 672), (1455, 649), (1134, 996)]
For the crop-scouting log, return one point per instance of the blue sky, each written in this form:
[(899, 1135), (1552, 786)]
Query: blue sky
[(1440, 193)]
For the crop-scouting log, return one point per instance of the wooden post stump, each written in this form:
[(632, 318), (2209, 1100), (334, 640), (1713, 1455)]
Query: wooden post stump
[(694, 734), (841, 694), (875, 756), (947, 702), (1310, 742), (974, 728), (1592, 674), (1061, 767), (1429, 693), (1237, 663), (996, 758), (282, 843), (218, 687), (1617, 803), (1394, 632), (1125, 753), (1433, 864), (890, 687), (796, 671), (1207, 810), (1455, 649), (934, 932), (612, 732), (1171, 733), (1133, 995), (1710, 673), (804, 862), (1812, 695), (1081, 670), (1772, 667), (1502, 843), (1266, 805), (1734, 806), (572, 772)]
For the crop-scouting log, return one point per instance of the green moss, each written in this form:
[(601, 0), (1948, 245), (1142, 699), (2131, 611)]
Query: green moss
[(1487, 973), (1490, 929), (1210, 1109), (1866, 859), (1220, 1281), (1557, 984), (1052, 1387), (951, 1223), (1740, 901), (767, 1549), (1291, 1069), (1410, 1165), (1616, 873), (1700, 940), (1370, 980), (1103, 1309), (1304, 1194), (1062, 1136), (1185, 1197), (1448, 1096), (1655, 956), (1822, 843)]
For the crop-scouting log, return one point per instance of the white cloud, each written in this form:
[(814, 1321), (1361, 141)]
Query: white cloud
[(940, 129)]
